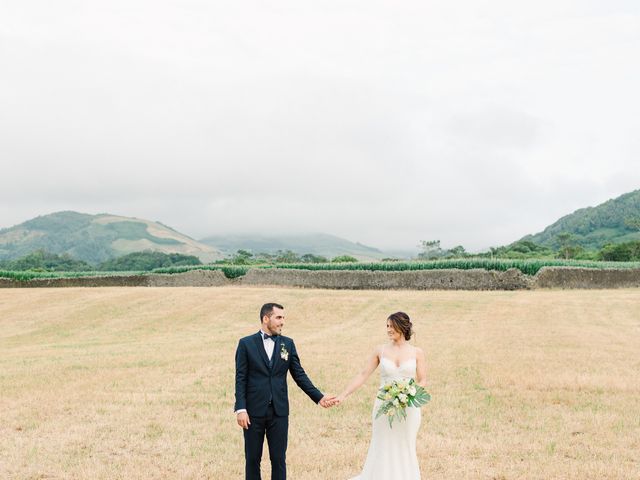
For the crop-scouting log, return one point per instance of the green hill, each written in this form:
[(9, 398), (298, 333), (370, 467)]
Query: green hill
[(96, 238), (317, 244), (593, 227)]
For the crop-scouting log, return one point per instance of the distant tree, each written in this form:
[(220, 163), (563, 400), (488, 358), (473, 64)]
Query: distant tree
[(241, 257), (567, 249), (520, 249), (525, 246), (529, 249), (263, 257), (287, 256), (148, 260), (620, 252), (343, 259), (430, 249), (633, 222), (456, 252), (584, 254), (311, 258), (42, 260)]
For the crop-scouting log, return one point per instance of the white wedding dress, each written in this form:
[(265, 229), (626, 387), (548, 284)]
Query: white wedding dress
[(392, 452)]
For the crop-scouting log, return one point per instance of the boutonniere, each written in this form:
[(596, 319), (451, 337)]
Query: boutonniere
[(284, 353)]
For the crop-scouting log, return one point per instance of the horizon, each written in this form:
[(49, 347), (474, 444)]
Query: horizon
[(390, 250)]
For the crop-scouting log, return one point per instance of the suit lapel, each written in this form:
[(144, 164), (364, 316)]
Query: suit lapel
[(260, 346), (276, 353)]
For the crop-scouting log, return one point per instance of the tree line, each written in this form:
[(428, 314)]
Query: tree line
[(245, 257), (43, 261), (565, 248)]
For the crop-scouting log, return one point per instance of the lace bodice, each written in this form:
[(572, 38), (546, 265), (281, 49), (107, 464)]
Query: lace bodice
[(389, 371)]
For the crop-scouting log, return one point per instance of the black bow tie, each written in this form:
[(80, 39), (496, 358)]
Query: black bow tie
[(272, 337)]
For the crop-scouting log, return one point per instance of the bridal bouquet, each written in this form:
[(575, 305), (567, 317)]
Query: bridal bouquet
[(397, 396)]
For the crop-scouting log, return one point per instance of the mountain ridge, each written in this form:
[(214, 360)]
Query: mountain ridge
[(314, 243), (96, 238), (594, 227), (100, 237)]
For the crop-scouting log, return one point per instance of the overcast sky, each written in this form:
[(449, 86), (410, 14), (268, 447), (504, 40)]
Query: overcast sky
[(474, 122)]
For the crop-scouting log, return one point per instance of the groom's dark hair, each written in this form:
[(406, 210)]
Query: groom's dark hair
[(267, 309)]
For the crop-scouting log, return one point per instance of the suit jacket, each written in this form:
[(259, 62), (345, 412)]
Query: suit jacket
[(257, 383)]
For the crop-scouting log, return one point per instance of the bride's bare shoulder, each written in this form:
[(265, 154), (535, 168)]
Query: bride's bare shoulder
[(419, 352)]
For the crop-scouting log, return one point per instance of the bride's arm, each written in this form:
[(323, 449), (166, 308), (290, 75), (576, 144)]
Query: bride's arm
[(421, 368), (360, 378)]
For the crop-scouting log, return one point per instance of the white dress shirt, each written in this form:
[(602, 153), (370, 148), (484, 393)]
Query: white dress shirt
[(269, 344)]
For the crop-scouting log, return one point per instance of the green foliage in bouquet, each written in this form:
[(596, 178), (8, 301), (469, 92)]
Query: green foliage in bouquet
[(397, 396)]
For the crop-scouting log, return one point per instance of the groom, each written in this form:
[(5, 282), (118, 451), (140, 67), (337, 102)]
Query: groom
[(262, 402)]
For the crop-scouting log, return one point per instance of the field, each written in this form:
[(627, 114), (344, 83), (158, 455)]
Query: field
[(137, 383)]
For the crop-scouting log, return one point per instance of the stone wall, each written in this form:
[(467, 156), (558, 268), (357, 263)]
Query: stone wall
[(115, 281), (572, 277), (194, 278), (477, 279)]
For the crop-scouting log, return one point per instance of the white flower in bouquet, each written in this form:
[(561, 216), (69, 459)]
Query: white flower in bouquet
[(397, 396)]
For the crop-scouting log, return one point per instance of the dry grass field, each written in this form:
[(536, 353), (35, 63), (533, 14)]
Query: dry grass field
[(137, 383)]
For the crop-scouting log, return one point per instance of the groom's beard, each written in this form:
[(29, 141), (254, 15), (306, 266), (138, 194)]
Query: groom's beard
[(275, 330)]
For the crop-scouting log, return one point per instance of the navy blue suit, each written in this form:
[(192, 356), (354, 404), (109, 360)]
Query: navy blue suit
[(261, 389)]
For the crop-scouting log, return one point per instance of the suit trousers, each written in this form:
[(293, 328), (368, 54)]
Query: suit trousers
[(276, 430)]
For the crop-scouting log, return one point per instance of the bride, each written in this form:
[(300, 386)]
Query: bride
[(392, 452)]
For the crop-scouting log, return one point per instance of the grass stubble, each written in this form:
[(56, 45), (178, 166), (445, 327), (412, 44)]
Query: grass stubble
[(138, 383)]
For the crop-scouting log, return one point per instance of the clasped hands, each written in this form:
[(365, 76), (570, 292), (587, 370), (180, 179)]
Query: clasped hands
[(329, 401)]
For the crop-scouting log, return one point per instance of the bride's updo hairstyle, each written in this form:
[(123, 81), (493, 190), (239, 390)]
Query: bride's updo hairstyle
[(401, 322)]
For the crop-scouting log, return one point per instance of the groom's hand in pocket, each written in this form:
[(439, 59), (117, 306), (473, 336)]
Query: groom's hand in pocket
[(243, 420)]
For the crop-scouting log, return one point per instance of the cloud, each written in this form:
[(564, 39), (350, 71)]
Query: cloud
[(473, 122)]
